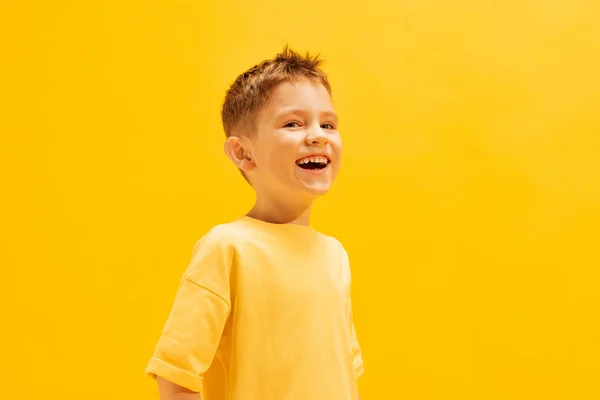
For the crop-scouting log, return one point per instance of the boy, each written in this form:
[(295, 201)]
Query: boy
[(263, 310)]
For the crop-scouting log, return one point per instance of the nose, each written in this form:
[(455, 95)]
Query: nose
[(317, 137)]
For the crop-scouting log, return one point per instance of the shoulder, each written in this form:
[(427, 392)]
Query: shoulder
[(340, 260), (337, 247), (221, 241), (221, 236), (336, 244), (212, 256)]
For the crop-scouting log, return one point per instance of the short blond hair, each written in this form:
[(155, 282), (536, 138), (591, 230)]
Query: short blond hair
[(251, 90)]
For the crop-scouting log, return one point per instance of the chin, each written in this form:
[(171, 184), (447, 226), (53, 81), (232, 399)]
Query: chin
[(313, 185), (316, 189)]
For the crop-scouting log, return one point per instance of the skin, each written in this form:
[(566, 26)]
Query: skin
[(168, 390), (298, 120)]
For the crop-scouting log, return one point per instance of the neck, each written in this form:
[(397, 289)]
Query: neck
[(280, 211)]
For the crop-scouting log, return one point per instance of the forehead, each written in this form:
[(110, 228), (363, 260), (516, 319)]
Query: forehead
[(302, 94)]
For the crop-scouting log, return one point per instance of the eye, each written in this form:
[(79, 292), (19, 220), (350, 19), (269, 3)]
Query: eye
[(327, 126), (291, 124)]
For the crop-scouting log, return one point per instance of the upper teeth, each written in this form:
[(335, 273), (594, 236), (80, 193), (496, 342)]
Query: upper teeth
[(314, 159)]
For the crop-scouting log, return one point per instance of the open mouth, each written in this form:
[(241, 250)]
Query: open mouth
[(313, 162)]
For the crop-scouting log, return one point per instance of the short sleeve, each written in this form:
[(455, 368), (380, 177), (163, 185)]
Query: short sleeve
[(357, 360), (192, 332), (355, 349)]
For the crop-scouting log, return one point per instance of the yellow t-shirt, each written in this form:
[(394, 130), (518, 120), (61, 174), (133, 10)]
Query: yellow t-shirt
[(263, 312)]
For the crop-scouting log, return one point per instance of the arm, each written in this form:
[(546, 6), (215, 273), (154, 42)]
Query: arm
[(170, 391), (190, 338)]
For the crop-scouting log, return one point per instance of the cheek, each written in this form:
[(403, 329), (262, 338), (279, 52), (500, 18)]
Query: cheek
[(279, 158), (336, 144), (284, 151)]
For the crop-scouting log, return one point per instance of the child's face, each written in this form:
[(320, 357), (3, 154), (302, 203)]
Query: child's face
[(298, 121)]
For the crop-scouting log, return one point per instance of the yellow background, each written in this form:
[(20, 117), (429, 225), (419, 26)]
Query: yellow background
[(469, 198)]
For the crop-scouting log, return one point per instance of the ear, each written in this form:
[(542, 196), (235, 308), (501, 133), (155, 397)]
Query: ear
[(238, 151)]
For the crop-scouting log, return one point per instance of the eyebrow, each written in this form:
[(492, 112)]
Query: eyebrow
[(295, 110)]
